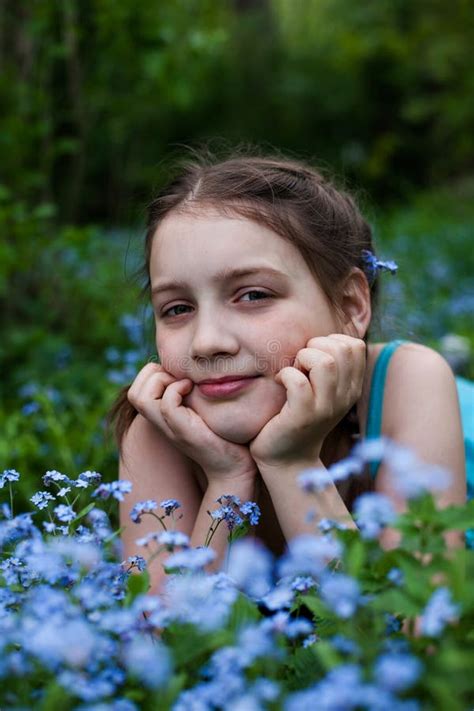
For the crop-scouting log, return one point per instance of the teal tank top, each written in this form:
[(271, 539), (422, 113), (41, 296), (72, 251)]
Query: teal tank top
[(465, 389)]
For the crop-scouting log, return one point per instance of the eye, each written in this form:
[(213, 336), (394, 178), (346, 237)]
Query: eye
[(168, 313), (261, 295)]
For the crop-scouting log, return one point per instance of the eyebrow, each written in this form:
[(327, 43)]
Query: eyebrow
[(219, 277)]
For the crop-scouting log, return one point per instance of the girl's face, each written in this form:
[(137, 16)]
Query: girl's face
[(214, 323)]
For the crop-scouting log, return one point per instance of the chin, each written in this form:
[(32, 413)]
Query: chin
[(239, 429), (235, 421)]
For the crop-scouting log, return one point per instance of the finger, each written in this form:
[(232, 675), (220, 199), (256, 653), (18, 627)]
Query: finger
[(349, 354), (183, 421), (150, 384), (323, 374), (299, 393), (358, 358)]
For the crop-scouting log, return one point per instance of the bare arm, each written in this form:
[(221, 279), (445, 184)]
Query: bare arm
[(421, 411), (297, 511), (157, 471)]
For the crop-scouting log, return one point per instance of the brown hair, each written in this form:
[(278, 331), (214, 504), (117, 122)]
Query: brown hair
[(288, 196)]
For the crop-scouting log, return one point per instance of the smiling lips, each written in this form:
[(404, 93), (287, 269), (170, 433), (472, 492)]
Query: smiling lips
[(220, 387)]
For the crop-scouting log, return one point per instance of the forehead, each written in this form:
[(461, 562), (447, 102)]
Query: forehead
[(207, 240)]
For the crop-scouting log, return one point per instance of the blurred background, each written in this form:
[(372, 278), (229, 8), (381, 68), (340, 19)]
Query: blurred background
[(98, 95)]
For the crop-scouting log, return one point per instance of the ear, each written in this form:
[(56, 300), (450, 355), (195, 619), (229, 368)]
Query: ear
[(355, 303)]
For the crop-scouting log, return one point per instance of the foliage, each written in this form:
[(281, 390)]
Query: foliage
[(337, 622), (98, 92), (432, 295)]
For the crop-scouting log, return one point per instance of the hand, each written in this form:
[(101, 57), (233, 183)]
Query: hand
[(158, 396), (323, 384)]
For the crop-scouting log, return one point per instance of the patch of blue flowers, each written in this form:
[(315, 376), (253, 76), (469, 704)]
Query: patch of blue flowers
[(336, 623)]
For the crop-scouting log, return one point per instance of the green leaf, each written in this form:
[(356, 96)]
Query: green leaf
[(396, 602), (239, 532), (457, 517), (327, 654), (137, 584), (84, 511), (189, 645), (355, 557), (56, 697), (303, 668), (243, 611), (315, 605)]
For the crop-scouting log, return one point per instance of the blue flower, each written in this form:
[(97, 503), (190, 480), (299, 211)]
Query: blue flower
[(191, 558), (251, 509), (171, 539), (142, 507), (396, 576), (8, 475), (64, 490), (29, 408), (146, 540), (373, 512), (227, 514), (266, 689), (148, 660), (116, 489), (303, 583), (64, 513), (344, 645), (54, 476), (409, 476), (309, 555), (280, 597), (341, 593), (203, 600), (137, 561), (372, 265), (282, 623), (56, 641), (250, 566), (254, 641), (397, 672), (228, 500), (169, 505), (133, 327), (41, 498), (439, 610), (89, 478), (314, 480)]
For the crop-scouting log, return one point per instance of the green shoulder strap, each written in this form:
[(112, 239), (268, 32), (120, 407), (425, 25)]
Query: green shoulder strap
[(374, 415)]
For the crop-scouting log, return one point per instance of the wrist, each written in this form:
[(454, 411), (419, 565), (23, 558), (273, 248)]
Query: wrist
[(289, 468), (242, 486), (232, 477)]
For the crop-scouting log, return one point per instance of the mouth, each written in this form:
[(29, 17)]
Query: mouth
[(226, 379), (222, 387)]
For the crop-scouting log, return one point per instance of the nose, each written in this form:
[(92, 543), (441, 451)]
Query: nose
[(212, 337)]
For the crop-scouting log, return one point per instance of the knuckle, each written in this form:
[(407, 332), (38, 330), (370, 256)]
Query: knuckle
[(346, 349), (329, 362)]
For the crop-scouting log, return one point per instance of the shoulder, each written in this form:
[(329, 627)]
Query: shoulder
[(415, 362), (418, 379), (421, 412)]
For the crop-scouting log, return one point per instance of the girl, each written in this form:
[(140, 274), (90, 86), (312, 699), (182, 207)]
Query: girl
[(263, 284)]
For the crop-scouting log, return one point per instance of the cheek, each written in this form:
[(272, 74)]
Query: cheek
[(173, 361)]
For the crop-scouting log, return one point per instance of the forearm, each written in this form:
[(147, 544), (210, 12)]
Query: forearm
[(297, 511), (244, 488)]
